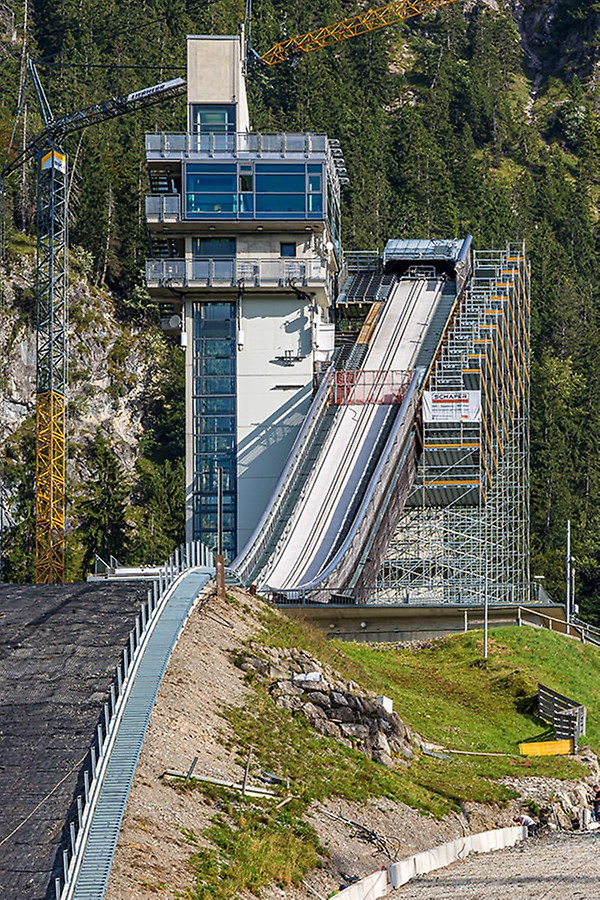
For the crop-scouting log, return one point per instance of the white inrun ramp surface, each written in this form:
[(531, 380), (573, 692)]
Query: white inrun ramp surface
[(312, 531)]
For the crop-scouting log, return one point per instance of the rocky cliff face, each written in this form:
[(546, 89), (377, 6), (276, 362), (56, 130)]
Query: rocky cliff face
[(559, 38), (113, 366)]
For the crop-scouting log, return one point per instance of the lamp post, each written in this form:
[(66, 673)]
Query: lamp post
[(568, 577)]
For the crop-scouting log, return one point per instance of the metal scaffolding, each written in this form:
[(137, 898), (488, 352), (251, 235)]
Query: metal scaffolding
[(464, 533)]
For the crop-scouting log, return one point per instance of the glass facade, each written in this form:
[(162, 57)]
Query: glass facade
[(215, 418), (256, 190)]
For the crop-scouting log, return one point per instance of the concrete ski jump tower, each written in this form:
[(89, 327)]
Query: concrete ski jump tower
[(249, 271), (246, 241)]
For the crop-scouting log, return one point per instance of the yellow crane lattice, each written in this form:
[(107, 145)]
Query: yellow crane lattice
[(371, 20)]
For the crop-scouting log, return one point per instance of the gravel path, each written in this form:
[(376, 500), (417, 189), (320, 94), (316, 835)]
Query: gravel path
[(551, 867)]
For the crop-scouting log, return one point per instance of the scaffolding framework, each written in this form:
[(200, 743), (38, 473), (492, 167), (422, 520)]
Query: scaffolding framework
[(464, 533)]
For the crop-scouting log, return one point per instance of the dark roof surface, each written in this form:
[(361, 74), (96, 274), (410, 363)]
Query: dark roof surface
[(59, 645)]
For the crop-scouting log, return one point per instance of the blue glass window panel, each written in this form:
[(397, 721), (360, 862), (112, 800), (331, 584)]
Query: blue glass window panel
[(280, 168), (280, 203), (213, 183), (246, 204), (209, 168), (215, 406), (218, 349), (229, 544), (216, 365), (315, 167), (246, 182), (315, 203), (208, 482), (212, 118), (212, 204), (217, 425), (216, 443), (280, 184), (314, 183), (217, 311), (213, 247), (228, 464), (209, 502), (215, 385), (288, 249), (215, 330), (208, 523)]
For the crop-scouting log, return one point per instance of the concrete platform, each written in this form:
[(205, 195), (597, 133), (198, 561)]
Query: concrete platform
[(407, 622), (59, 645)]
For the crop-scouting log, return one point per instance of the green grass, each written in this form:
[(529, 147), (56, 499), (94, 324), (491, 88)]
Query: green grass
[(251, 848), (449, 695)]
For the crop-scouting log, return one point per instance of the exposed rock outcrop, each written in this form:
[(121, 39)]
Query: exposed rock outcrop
[(334, 707)]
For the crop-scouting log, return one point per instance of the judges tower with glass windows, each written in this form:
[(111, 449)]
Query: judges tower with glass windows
[(245, 232)]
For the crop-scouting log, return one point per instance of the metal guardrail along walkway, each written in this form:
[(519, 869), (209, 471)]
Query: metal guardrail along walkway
[(89, 882)]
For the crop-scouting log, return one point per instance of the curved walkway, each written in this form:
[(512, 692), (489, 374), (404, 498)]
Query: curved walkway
[(89, 881)]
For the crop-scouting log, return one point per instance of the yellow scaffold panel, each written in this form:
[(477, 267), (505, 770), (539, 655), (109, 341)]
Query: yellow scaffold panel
[(546, 748)]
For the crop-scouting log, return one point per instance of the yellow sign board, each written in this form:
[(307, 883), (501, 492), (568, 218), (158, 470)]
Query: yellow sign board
[(546, 748)]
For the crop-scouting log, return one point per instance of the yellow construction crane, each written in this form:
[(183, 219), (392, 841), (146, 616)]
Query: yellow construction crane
[(362, 23), (51, 303)]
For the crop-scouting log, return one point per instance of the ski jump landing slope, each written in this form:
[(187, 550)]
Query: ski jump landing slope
[(368, 454)]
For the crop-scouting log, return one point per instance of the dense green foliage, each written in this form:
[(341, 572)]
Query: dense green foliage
[(448, 126)]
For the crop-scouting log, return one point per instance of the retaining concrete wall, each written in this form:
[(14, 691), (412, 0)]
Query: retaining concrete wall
[(438, 857), (381, 883), (370, 888)]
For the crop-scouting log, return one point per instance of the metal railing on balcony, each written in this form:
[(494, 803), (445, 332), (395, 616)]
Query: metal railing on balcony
[(242, 144), (163, 207), (228, 272)]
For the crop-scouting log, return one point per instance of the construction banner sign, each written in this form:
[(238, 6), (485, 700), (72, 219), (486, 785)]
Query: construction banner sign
[(452, 406)]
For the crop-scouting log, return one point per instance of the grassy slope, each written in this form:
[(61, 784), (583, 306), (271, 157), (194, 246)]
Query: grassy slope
[(449, 695), (443, 691)]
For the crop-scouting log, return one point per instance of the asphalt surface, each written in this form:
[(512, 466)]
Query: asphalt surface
[(563, 866), (59, 646)]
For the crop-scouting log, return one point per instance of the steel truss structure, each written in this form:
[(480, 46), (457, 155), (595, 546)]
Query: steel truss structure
[(370, 20), (51, 406), (464, 533)]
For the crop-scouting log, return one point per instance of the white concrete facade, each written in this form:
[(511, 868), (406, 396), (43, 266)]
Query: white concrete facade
[(215, 73)]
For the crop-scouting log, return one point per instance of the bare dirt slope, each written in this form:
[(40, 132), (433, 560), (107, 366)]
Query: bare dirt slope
[(152, 854)]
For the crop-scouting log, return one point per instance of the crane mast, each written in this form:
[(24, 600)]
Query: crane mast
[(371, 20), (52, 308), (51, 366)]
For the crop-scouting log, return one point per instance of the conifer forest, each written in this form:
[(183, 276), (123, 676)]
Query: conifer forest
[(481, 118)]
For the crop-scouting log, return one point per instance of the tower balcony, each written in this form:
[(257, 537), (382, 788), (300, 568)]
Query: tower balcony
[(163, 208), (232, 272), (234, 146)]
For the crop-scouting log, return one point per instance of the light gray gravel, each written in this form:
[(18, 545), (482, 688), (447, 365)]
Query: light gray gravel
[(550, 867)]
